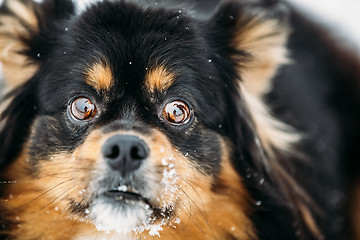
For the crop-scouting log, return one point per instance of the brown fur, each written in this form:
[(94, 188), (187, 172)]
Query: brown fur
[(354, 212), (37, 202), (99, 76), (16, 67), (43, 198), (158, 78), (265, 43), (198, 205), (40, 203)]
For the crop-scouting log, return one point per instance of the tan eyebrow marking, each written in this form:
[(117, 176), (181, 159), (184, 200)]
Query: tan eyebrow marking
[(159, 78), (99, 75)]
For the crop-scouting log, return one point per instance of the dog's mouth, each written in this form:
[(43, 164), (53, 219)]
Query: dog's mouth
[(124, 193), (134, 204), (127, 206)]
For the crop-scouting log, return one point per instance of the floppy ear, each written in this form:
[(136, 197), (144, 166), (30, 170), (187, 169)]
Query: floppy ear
[(27, 33), (251, 36), (257, 30)]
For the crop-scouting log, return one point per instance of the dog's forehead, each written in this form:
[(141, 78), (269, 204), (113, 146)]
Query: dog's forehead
[(100, 76), (145, 57), (119, 43)]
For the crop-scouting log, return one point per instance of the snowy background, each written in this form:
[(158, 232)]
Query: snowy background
[(342, 17)]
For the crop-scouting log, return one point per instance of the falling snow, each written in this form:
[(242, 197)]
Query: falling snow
[(261, 181)]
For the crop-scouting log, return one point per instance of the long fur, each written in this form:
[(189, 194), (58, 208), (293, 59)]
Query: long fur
[(234, 170)]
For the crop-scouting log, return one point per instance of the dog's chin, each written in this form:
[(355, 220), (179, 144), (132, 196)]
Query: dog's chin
[(122, 216), (135, 206)]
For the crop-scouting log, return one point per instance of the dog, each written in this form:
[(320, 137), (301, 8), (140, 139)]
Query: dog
[(147, 120)]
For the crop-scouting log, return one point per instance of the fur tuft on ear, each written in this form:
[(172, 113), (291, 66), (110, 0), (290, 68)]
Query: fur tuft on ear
[(17, 21), (24, 36), (28, 32), (258, 32), (252, 34)]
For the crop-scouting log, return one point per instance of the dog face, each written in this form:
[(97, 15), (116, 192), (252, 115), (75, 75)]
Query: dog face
[(134, 120), (131, 120)]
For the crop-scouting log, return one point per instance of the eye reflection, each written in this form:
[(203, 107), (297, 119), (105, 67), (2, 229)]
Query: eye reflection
[(176, 112), (82, 109)]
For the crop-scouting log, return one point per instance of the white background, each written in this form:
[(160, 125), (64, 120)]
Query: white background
[(341, 17)]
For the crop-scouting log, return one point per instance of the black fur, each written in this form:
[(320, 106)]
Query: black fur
[(124, 32)]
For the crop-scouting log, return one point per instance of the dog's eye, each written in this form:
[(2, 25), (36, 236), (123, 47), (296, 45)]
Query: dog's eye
[(176, 112), (82, 109)]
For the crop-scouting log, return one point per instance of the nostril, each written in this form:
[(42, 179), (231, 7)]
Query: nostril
[(138, 152), (112, 152), (124, 153)]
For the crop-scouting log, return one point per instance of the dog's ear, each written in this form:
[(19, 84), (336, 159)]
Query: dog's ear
[(27, 32), (255, 33), (251, 36)]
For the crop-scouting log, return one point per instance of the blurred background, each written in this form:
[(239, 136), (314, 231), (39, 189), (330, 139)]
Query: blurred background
[(342, 18)]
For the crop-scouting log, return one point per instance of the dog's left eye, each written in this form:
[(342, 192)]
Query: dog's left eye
[(176, 113), (82, 109)]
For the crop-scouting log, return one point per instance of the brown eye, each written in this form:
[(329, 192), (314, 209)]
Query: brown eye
[(176, 113), (82, 109)]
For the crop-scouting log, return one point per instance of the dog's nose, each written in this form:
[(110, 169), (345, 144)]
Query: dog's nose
[(124, 153)]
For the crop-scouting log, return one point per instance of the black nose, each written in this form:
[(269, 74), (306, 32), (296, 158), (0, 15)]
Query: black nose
[(124, 153)]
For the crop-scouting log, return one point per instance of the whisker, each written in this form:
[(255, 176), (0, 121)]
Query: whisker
[(191, 181), (8, 182), (64, 197), (191, 218), (41, 195), (51, 202), (187, 214), (201, 212), (73, 170), (197, 193), (97, 236), (55, 175)]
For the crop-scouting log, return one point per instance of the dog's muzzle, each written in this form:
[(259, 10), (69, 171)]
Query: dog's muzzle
[(125, 153)]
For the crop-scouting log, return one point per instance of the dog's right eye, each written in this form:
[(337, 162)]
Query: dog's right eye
[(82, 109), (176, 113)]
